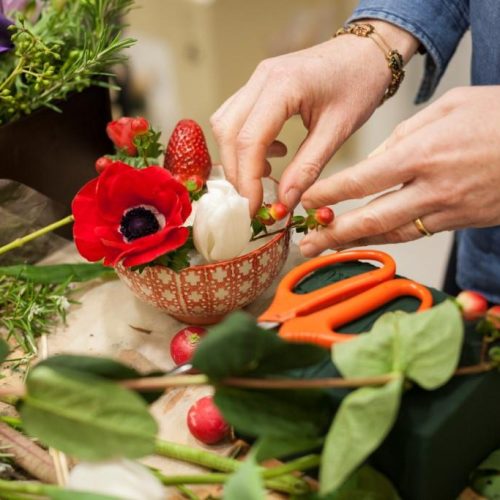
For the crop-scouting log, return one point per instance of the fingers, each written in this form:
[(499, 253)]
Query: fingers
[(373, 175), (262, 125), (430, 114), (363, 225), (229, 118), (324, 138)]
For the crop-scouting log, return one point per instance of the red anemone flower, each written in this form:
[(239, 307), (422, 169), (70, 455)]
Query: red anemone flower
[(130, 215)]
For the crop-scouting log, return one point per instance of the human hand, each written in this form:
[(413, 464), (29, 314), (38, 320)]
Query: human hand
[(334, 86), (447, 159)]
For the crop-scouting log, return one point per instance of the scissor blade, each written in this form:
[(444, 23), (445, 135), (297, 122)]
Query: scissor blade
[(268, 325)]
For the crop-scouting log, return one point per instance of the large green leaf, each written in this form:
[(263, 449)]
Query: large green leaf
[(364, 484), (102, 367), (59, 273), (86, 416), (424, 346), (246, 483), (280, 447), (281, 414), (4, 350), (363, 420), (238, 346)]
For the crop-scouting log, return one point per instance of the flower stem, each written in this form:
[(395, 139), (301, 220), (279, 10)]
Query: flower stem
[(19, 242), (300, 464), (186, 492), (220, 463), (33, 489)]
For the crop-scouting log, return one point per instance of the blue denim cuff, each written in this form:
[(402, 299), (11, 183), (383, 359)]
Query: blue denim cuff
[(437, 24)]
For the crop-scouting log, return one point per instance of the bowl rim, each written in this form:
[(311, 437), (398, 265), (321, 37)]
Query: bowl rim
[(236, 260)]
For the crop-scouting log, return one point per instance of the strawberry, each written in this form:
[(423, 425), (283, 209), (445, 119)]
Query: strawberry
[(187, 153), (472, 304)]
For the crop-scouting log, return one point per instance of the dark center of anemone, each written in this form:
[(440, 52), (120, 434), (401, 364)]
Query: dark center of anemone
[(138, 222)]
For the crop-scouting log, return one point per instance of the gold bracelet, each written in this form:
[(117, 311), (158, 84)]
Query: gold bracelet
[(392, 56)]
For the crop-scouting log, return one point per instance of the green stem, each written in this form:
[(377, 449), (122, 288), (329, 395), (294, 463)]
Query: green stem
[(220, 463), (15, 72), (11, 421), (36, 234), (190, 495)]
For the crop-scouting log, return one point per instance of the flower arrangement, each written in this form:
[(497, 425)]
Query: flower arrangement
[(138, 212), (52, 48)]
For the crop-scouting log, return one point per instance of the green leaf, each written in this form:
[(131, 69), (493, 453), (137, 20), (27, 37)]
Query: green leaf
[(363, 420), (86, 416), (60, 273), (279, 447), (280, 414), (424, 346), (237, 346), (364, 484), (102, 367), (485, 480), (246, 483), (4, 350)]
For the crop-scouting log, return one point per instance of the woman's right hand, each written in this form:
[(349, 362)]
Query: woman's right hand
[(334, 86)]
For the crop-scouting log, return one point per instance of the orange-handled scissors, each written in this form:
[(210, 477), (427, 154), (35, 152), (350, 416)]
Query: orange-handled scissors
[(314, 316)]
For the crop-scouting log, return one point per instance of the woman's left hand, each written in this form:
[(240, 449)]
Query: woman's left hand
[(442, 166)]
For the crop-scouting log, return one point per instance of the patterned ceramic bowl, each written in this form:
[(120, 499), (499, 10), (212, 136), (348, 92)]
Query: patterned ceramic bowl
[(204, 294)]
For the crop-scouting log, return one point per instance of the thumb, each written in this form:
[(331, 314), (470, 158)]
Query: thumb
[(318, 147)]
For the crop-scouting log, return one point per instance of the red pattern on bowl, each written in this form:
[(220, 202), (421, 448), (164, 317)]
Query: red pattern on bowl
[(204, 294)]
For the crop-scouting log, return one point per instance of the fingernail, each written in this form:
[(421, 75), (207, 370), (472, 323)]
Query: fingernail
[(292, 197)]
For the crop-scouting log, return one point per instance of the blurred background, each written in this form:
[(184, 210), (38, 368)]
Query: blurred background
[(192, 55)]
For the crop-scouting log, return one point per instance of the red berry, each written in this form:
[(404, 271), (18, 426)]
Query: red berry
[(187, 153), (278, 210), (473, 304), (184, 343), (205, 421), (493, 315), (102, 162), (324, 216), (124, 130)]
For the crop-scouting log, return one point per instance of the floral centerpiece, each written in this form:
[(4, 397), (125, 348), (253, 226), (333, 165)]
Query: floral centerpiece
[(177, 236)]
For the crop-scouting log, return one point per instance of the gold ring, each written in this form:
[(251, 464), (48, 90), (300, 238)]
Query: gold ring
[(421, 228)]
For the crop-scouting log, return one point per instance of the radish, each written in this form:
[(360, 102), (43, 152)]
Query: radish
[(184, 342), (205, 421), (473, 304)]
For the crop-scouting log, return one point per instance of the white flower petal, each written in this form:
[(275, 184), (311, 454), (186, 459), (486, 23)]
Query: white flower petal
[(221, 228), (122, 478)]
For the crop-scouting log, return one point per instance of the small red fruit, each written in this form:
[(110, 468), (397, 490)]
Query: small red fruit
[(493, 316), (184, 343), (187, 153), (278, 210), (324, 216), (473, 304), (205, 421), (102, 162), (194, 183), (124, 130)]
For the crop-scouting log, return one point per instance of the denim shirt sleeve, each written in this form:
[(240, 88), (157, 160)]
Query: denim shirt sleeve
[(437, 24)]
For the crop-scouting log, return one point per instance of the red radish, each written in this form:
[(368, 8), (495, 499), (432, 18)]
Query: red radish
[(184, 342), (205, 421), (473, 304), (493, 315)]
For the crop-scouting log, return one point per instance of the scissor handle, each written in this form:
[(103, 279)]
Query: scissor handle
[(287, 304), (319, 327)]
